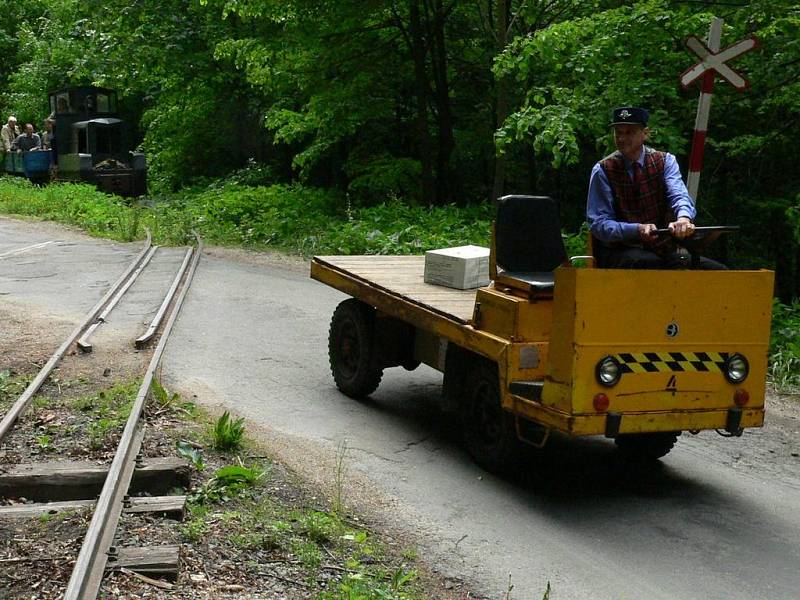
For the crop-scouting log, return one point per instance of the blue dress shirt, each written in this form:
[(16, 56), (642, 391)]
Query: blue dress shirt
[(600, 211)]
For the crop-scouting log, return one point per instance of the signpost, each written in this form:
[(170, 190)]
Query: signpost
[(712, 63)]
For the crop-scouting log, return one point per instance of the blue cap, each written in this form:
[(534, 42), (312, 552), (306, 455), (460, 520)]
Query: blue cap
[(629, 115)]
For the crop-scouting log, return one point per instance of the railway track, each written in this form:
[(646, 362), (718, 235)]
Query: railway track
[(97, 547)]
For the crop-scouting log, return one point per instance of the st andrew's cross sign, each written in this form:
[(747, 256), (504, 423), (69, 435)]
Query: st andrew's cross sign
[(715, 61)]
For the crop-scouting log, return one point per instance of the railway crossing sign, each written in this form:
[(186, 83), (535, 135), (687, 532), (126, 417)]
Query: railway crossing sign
[(711, 61)]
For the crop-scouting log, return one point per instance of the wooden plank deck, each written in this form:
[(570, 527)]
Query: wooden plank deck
[(402, 276)]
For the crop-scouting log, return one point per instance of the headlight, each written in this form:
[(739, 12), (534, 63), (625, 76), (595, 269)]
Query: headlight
[(607, 371), (736, 368)]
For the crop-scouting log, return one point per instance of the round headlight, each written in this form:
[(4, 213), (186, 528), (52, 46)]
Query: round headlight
[(607, 371), (736, 368)]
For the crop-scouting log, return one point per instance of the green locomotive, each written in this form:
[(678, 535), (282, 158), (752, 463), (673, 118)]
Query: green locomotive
[(90, 145)]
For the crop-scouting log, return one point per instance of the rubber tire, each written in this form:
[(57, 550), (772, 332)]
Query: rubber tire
[(489, 432), (646, 447), (350, 347)]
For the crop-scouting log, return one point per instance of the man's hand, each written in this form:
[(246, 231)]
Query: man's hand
[(682, 228), (647, 232)]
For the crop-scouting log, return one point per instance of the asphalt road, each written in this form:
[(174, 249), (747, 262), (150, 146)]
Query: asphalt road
[(718, 519)]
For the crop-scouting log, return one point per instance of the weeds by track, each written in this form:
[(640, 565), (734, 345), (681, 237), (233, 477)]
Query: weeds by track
[(91, 562)]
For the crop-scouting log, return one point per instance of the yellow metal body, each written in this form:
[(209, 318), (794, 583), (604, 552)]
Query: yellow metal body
[(671, 329)]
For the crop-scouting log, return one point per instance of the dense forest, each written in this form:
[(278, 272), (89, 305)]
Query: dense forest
[(431, 102)]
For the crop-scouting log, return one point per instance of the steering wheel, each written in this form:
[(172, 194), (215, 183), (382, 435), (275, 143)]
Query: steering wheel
[(701, 239)]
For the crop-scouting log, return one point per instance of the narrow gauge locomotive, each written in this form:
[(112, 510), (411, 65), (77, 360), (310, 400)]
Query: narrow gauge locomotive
[(91, 145)]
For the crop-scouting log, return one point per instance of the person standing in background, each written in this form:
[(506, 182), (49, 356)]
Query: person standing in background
[(9, 133), (48, 134)]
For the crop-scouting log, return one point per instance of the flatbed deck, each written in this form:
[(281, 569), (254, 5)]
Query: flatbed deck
[(402, 277)]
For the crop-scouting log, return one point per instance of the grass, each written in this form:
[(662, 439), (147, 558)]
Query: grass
[(784, 350), (328, 555), (236, 511), (11, 387), (294, 218), (108, 410)]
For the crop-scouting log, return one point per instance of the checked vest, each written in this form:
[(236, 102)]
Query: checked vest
[(643, 200)]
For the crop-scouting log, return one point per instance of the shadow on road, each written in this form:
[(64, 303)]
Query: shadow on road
[(573, 470)]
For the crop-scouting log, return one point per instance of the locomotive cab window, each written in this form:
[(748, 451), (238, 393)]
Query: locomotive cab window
[(62, 104), (106, 103)]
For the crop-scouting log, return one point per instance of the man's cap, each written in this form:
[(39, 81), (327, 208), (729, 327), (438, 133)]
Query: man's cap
[(12, 118), (629, 115)]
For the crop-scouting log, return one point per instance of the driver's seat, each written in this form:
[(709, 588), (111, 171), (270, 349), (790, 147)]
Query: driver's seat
[(526, 244)]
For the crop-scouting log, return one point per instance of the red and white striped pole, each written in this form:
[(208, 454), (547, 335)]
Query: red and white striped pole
[(703, 108)]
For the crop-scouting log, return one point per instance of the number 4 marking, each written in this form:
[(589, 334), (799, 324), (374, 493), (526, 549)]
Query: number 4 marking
[(672, 384)]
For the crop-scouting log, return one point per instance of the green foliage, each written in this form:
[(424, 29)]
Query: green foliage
[(576, 70), (370, 105), (309, 555), (6, 388), (296, 218), (163, 398), (227, 433), (192, 454), (73, 204), (784, 363), (108, 410), (227, 483), (575, 243), (320, 527), (234, 475), (194, 530), (340, 475), (355, 586), (44, 442), (384, 177)]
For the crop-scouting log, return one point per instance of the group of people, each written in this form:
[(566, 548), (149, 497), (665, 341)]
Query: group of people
[(27, 140)]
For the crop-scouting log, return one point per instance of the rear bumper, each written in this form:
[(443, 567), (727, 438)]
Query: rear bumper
[(612, 424)]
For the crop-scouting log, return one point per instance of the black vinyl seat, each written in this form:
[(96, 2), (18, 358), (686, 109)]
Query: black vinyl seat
[(527, 243)]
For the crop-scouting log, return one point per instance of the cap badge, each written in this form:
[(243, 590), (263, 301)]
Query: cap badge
[(624, 114)]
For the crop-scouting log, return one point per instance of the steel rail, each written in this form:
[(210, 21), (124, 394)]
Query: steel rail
[(143, 340), (83, 343), (22, 403), (84, 583)]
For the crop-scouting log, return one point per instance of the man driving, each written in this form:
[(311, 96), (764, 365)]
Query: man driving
[(632, 193)]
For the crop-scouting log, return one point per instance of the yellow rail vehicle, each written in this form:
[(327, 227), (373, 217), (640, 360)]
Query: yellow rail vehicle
[(638, 356)]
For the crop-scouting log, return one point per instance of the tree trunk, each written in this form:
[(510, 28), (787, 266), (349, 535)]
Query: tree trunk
[(444, 177), (501, 100), (419, 53)]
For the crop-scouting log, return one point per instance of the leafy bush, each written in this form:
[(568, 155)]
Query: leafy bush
[(295, 218), (784, 348), (385, 177)]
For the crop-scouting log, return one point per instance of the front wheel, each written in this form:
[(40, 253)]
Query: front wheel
[(350, 349), (645, 447), (489, 432)]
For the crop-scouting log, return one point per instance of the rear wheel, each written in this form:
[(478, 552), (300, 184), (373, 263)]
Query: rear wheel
[(350, 349), (489, 432), (646, 446)]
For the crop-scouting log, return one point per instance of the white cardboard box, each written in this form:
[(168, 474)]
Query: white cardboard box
[(463, 268)]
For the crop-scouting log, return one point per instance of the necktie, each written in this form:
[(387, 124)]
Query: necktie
[(638, 176)]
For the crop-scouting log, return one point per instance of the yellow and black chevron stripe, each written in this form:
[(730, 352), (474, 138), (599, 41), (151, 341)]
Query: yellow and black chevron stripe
[(671, 362)]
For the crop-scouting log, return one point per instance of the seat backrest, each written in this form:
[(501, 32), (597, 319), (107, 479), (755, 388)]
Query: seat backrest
[(528, 234)]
